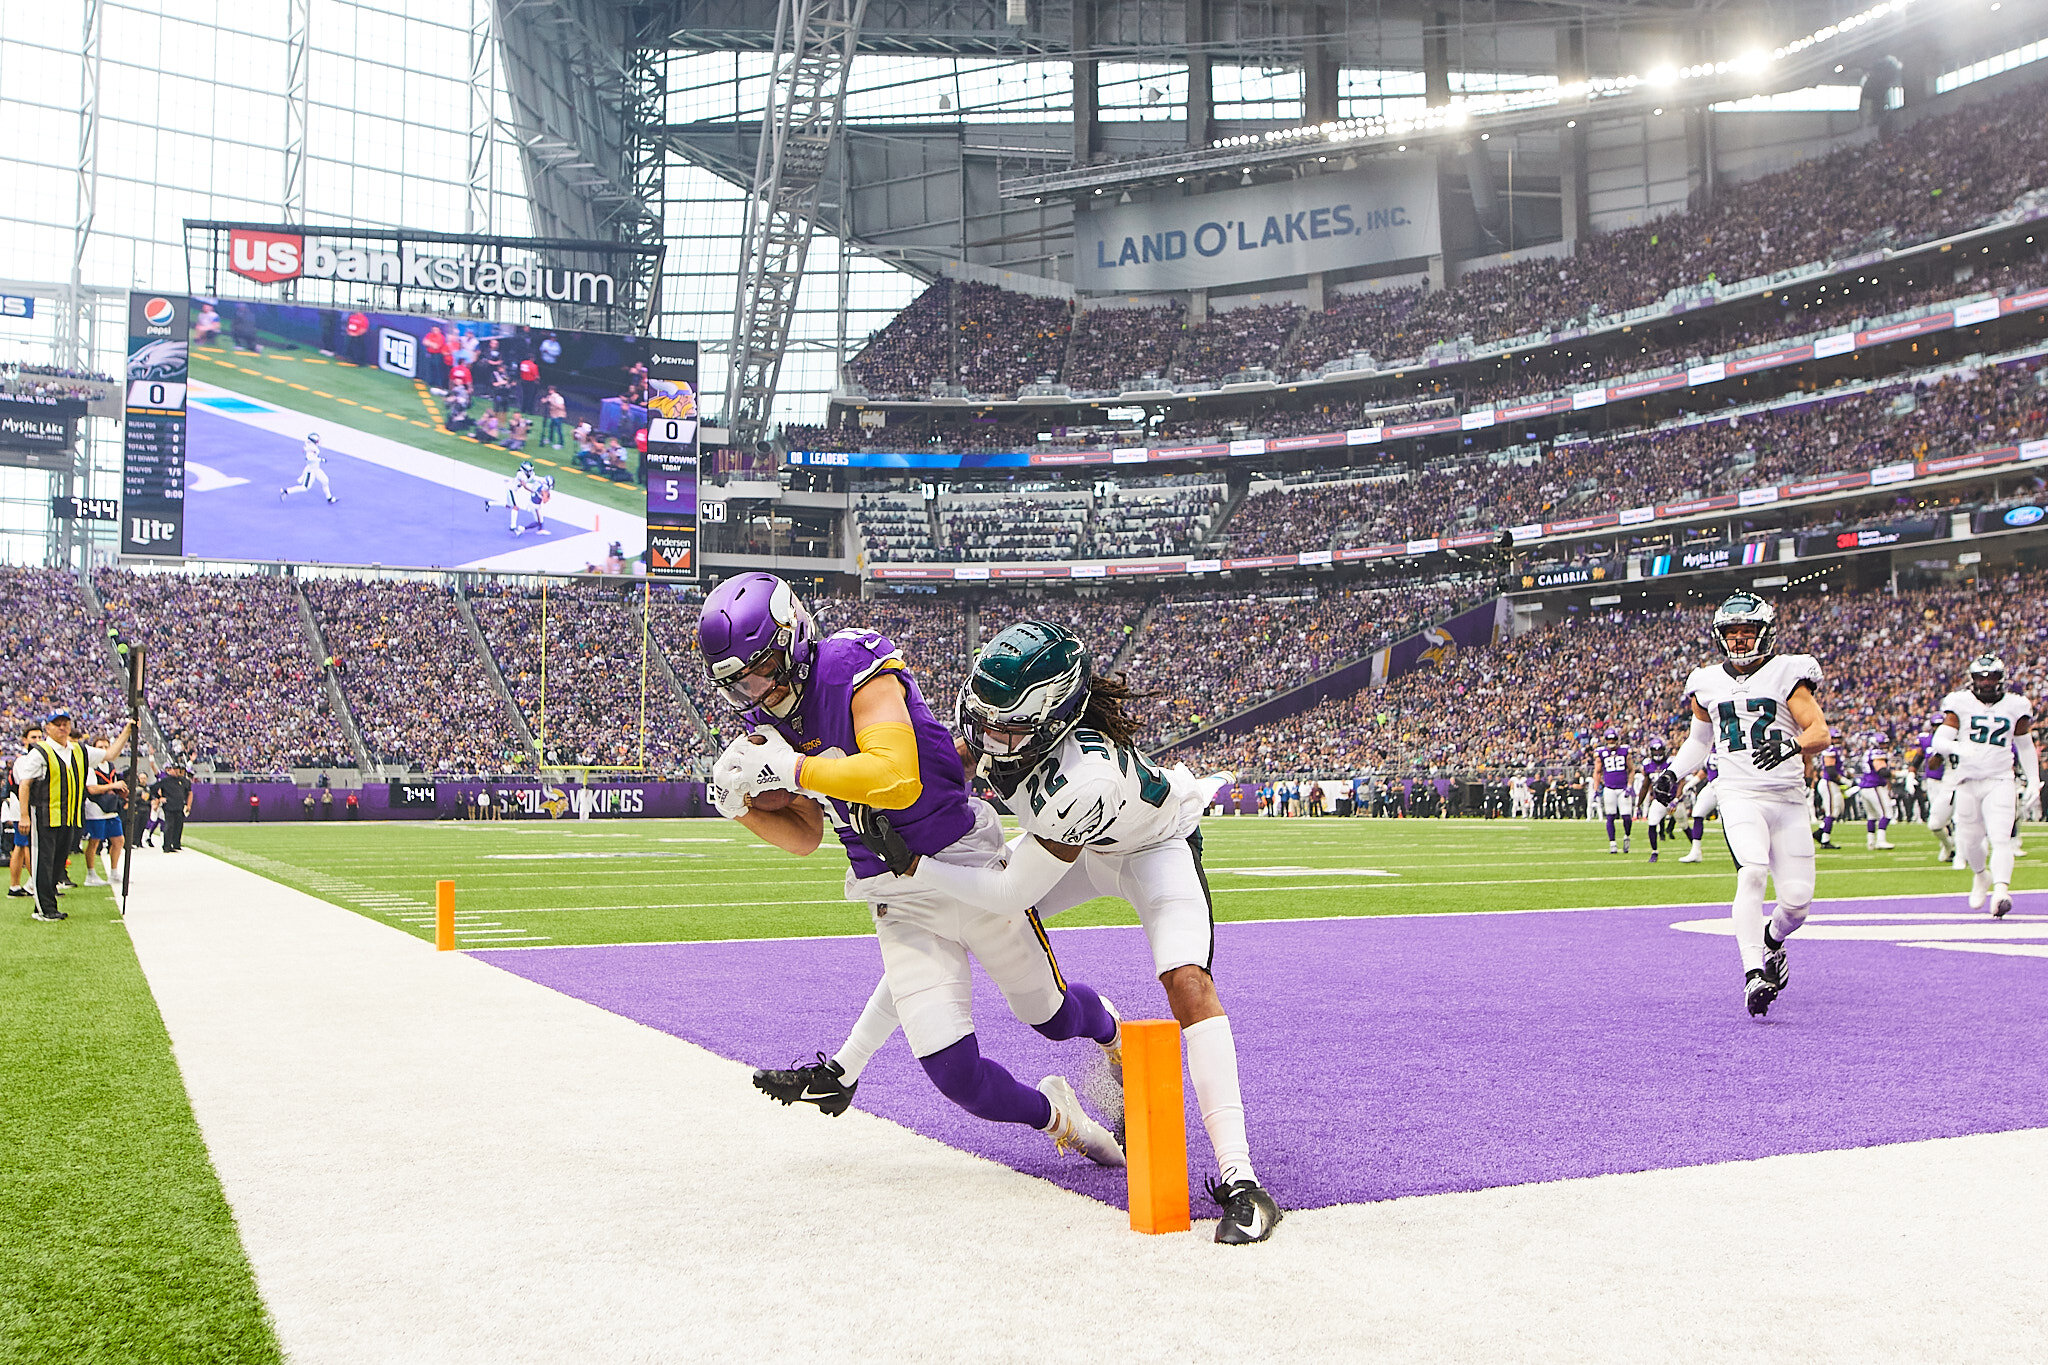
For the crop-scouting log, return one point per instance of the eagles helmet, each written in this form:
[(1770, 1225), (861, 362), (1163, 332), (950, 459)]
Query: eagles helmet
[(1025, 693), (526, 466), (1747, 609), (1987, 677), (756, 637)]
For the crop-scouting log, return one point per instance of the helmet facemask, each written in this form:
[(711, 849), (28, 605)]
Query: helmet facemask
[(1987, 679), (1746, 614)]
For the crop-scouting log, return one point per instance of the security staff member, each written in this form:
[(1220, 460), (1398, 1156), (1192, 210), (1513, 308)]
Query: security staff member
[(176, 786), (50, 778)]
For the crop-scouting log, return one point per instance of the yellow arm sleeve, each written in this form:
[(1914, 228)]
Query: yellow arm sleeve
[(883, 774)]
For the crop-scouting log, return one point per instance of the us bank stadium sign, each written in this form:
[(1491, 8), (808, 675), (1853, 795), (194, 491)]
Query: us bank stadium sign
[(227, 258)]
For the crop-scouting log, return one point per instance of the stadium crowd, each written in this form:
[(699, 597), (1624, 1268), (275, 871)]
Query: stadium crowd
[(392, 644), (233, 681), (55, 655), (584, 704), (1533, 703)]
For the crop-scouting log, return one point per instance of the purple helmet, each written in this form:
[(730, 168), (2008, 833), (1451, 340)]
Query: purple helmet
[(1658, 744), (755, 638), (1613, 735)]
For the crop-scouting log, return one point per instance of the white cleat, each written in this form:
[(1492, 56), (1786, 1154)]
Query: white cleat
[(1980, 887), (1693, 856), (1072, 1129), (1624, 845), (1612, 847), (2001, 901), (1884, 843), (1104, 1083), (93, 879)]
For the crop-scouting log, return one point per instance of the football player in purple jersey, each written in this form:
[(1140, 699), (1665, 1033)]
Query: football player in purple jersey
[(1655, 791), (839, 722), (1937, 795), (1874, 792), (1614, 774), (1832, 801)]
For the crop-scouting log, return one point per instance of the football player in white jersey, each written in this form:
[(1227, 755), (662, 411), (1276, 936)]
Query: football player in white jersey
[(1101, 819), (1752, 714), (314, 472), (1982, 726), (526, 491)]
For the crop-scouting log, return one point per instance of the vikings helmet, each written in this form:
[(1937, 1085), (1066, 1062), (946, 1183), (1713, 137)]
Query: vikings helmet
[(1834, 734), (1658, 745), (1612, 734), (1025, 693), (1987, 678), (755, 638), (1746, 609)]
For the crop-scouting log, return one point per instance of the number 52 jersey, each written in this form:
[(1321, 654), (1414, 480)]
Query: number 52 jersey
[(1985, 739), (1744, 708)]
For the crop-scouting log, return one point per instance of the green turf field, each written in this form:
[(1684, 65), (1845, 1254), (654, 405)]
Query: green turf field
[(390, 405), (652, 881), (116, 1243)]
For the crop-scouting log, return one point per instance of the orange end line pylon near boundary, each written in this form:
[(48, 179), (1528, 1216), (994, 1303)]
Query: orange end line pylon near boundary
[(444, 917), (1155, 1126)]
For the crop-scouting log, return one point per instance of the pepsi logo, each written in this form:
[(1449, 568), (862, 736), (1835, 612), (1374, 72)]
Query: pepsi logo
[(158, 312)]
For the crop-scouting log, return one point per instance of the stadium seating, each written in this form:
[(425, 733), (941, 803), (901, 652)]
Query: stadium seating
[(1241, 339), (593, 698), (234, 684), (1113, 346), (1134, 521), (893, 526), (55, 655), (1533, 703), (1015, 527), (396, 643)]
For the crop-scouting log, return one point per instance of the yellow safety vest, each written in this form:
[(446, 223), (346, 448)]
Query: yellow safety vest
[(64, 783)]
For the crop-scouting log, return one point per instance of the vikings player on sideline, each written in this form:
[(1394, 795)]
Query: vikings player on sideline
[(1832, 802), (1614, 773), (1937, 788), (1100, 819), (1982, 726), (1654, 791), (1874, 792), (839, 721), (1752, 712)]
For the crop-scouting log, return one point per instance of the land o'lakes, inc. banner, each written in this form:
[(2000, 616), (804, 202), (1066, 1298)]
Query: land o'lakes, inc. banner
[(1386, 211)]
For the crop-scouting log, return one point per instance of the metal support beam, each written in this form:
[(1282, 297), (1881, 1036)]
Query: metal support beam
[(483, 122), (298, 45), (72, 331), (814, 45)]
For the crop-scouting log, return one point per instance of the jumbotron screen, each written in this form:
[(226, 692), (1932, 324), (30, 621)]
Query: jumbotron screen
[(319, 435)]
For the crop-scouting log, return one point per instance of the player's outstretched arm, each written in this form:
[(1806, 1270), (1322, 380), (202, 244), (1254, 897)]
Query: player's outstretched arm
[(1033, 868), (2030, 758)]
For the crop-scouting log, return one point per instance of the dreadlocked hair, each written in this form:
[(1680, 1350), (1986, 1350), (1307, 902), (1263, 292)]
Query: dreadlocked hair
[(1108, 709)]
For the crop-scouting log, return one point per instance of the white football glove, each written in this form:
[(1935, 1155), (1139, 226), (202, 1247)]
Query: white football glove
[(757, 763), (727, 802), (2030, 795)]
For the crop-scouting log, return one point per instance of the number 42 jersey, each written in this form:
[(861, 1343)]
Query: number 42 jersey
[(1744, 708), (1985, 739), (1107, 796)]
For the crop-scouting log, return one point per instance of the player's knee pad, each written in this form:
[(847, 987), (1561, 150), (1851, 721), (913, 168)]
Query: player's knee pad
[(1795, 897), (1749, 883)]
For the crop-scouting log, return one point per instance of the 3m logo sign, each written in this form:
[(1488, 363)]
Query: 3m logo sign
[(265, 257)]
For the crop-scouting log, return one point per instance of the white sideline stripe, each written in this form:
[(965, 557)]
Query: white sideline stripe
[(405, 1139)]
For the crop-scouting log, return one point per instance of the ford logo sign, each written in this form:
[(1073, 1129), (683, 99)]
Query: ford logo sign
[(2024, 516)]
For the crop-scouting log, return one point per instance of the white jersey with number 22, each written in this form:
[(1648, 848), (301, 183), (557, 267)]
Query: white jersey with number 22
[(1744, 708), (1107, 796)]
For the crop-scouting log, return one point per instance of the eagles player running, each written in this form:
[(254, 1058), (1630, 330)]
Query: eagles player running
[(1100, 819), (314, 472), (839, 722), (1751, 714), (1981, 727)]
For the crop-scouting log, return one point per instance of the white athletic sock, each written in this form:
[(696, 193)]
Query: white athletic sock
[(1786, 919), (877, 1021), (2002, 854), (1748, 914), (1212, 1065)]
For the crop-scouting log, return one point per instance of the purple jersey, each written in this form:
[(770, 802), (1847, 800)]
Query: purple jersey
[(823, 722), (1613, 765), (1831, 763), (1930, 761), (1874, 775)]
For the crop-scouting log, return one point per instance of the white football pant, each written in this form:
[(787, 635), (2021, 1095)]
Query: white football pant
[(1770, 837), (1985, 810)]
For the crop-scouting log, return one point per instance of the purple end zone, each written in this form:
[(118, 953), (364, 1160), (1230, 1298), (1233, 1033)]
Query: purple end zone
[(1422, 1054), (379, 516)]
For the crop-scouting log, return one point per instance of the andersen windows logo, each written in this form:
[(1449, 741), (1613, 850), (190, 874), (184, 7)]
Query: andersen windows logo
[(269, 257)]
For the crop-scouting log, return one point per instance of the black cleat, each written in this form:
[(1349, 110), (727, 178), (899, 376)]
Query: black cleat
[(1249, 1213), (1758, 993), (49, 915), (817, 1083), (1777, 971), (17, 891), (2001, 904)]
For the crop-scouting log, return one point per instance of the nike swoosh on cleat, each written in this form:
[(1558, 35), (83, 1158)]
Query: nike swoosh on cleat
[(1256, 1227)]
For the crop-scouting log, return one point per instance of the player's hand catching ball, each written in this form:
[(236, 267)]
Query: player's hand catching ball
[(758, 762)]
